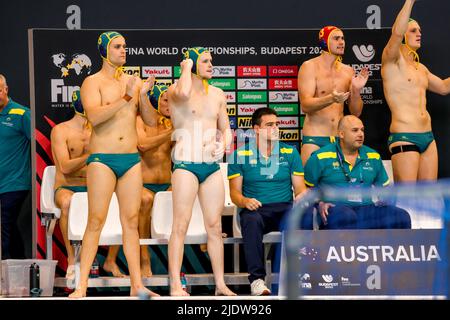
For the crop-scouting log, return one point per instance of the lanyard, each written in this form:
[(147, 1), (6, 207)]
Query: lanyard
[(347, 174)]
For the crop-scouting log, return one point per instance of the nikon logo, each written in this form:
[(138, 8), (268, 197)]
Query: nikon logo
[(289, 135), (244, 122), (231, 110)]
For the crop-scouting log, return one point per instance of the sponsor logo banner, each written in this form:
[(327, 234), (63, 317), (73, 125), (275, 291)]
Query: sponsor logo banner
[(288, 122), (252, 71), (252, 84), (224, 71), (158, 72), (224, 84), (283, 96), (252, 96), (231, 109), (289, 134), (132, 71), (285, 109), (233, 124), (371, 262), (283, 84), (166, 82), (230, 96), (249, 109), (283, 71), (244, 122), (242, 135)]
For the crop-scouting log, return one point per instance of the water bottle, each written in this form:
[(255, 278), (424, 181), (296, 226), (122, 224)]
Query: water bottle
[(183, 281), (35, 280), (95, 269)]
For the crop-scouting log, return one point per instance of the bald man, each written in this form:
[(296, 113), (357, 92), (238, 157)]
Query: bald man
[(350, 164)]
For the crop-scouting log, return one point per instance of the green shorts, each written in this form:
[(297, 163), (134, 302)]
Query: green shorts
[(119, 163), (421, 140), (200, 169), (318, 141), (157, 187)]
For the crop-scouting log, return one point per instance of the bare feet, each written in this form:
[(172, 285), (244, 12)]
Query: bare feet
[(178, 293), (142, 292), (113, 268), (146, 271), (224, 291), (77, 294), (70, 273)]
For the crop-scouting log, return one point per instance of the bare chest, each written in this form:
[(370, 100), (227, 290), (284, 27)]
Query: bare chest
[(327, 81)]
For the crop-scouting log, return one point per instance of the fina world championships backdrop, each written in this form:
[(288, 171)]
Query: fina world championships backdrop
[(255, 68)]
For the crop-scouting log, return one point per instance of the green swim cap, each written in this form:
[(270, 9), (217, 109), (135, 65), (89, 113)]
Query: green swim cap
[(193, 54), (103, 42), (156, 93), (76, 103)]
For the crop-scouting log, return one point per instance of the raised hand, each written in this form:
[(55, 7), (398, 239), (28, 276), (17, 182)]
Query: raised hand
[(147, 85), (132, 85), (360, 79), (186, 64)]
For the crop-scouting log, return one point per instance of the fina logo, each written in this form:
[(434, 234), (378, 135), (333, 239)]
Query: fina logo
[(364, 53)]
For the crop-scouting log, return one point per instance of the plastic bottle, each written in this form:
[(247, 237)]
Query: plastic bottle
[(183, 281), (35, 280), (95, 269)]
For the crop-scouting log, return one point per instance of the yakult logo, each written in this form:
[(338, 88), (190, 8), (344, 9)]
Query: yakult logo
[(164, 72)]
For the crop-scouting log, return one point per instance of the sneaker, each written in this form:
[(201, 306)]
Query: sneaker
[(258, 288)]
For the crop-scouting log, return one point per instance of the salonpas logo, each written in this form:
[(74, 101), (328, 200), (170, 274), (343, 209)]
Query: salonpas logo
[(252, 84), (224, 71), (283, 96), (288, 122), (285, 109), (249, 96), (224, 84), (249, 109), (364, 53), (289, 135)]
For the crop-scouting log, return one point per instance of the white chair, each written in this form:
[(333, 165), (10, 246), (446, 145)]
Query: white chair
[(229, 208), (78, 216), (162, 217), (50, 212)]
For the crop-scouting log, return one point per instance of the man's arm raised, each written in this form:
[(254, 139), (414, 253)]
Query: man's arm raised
[(182, 89), (148, 113), (92, 100), (223, 125), (61, 154), (391, 52)]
